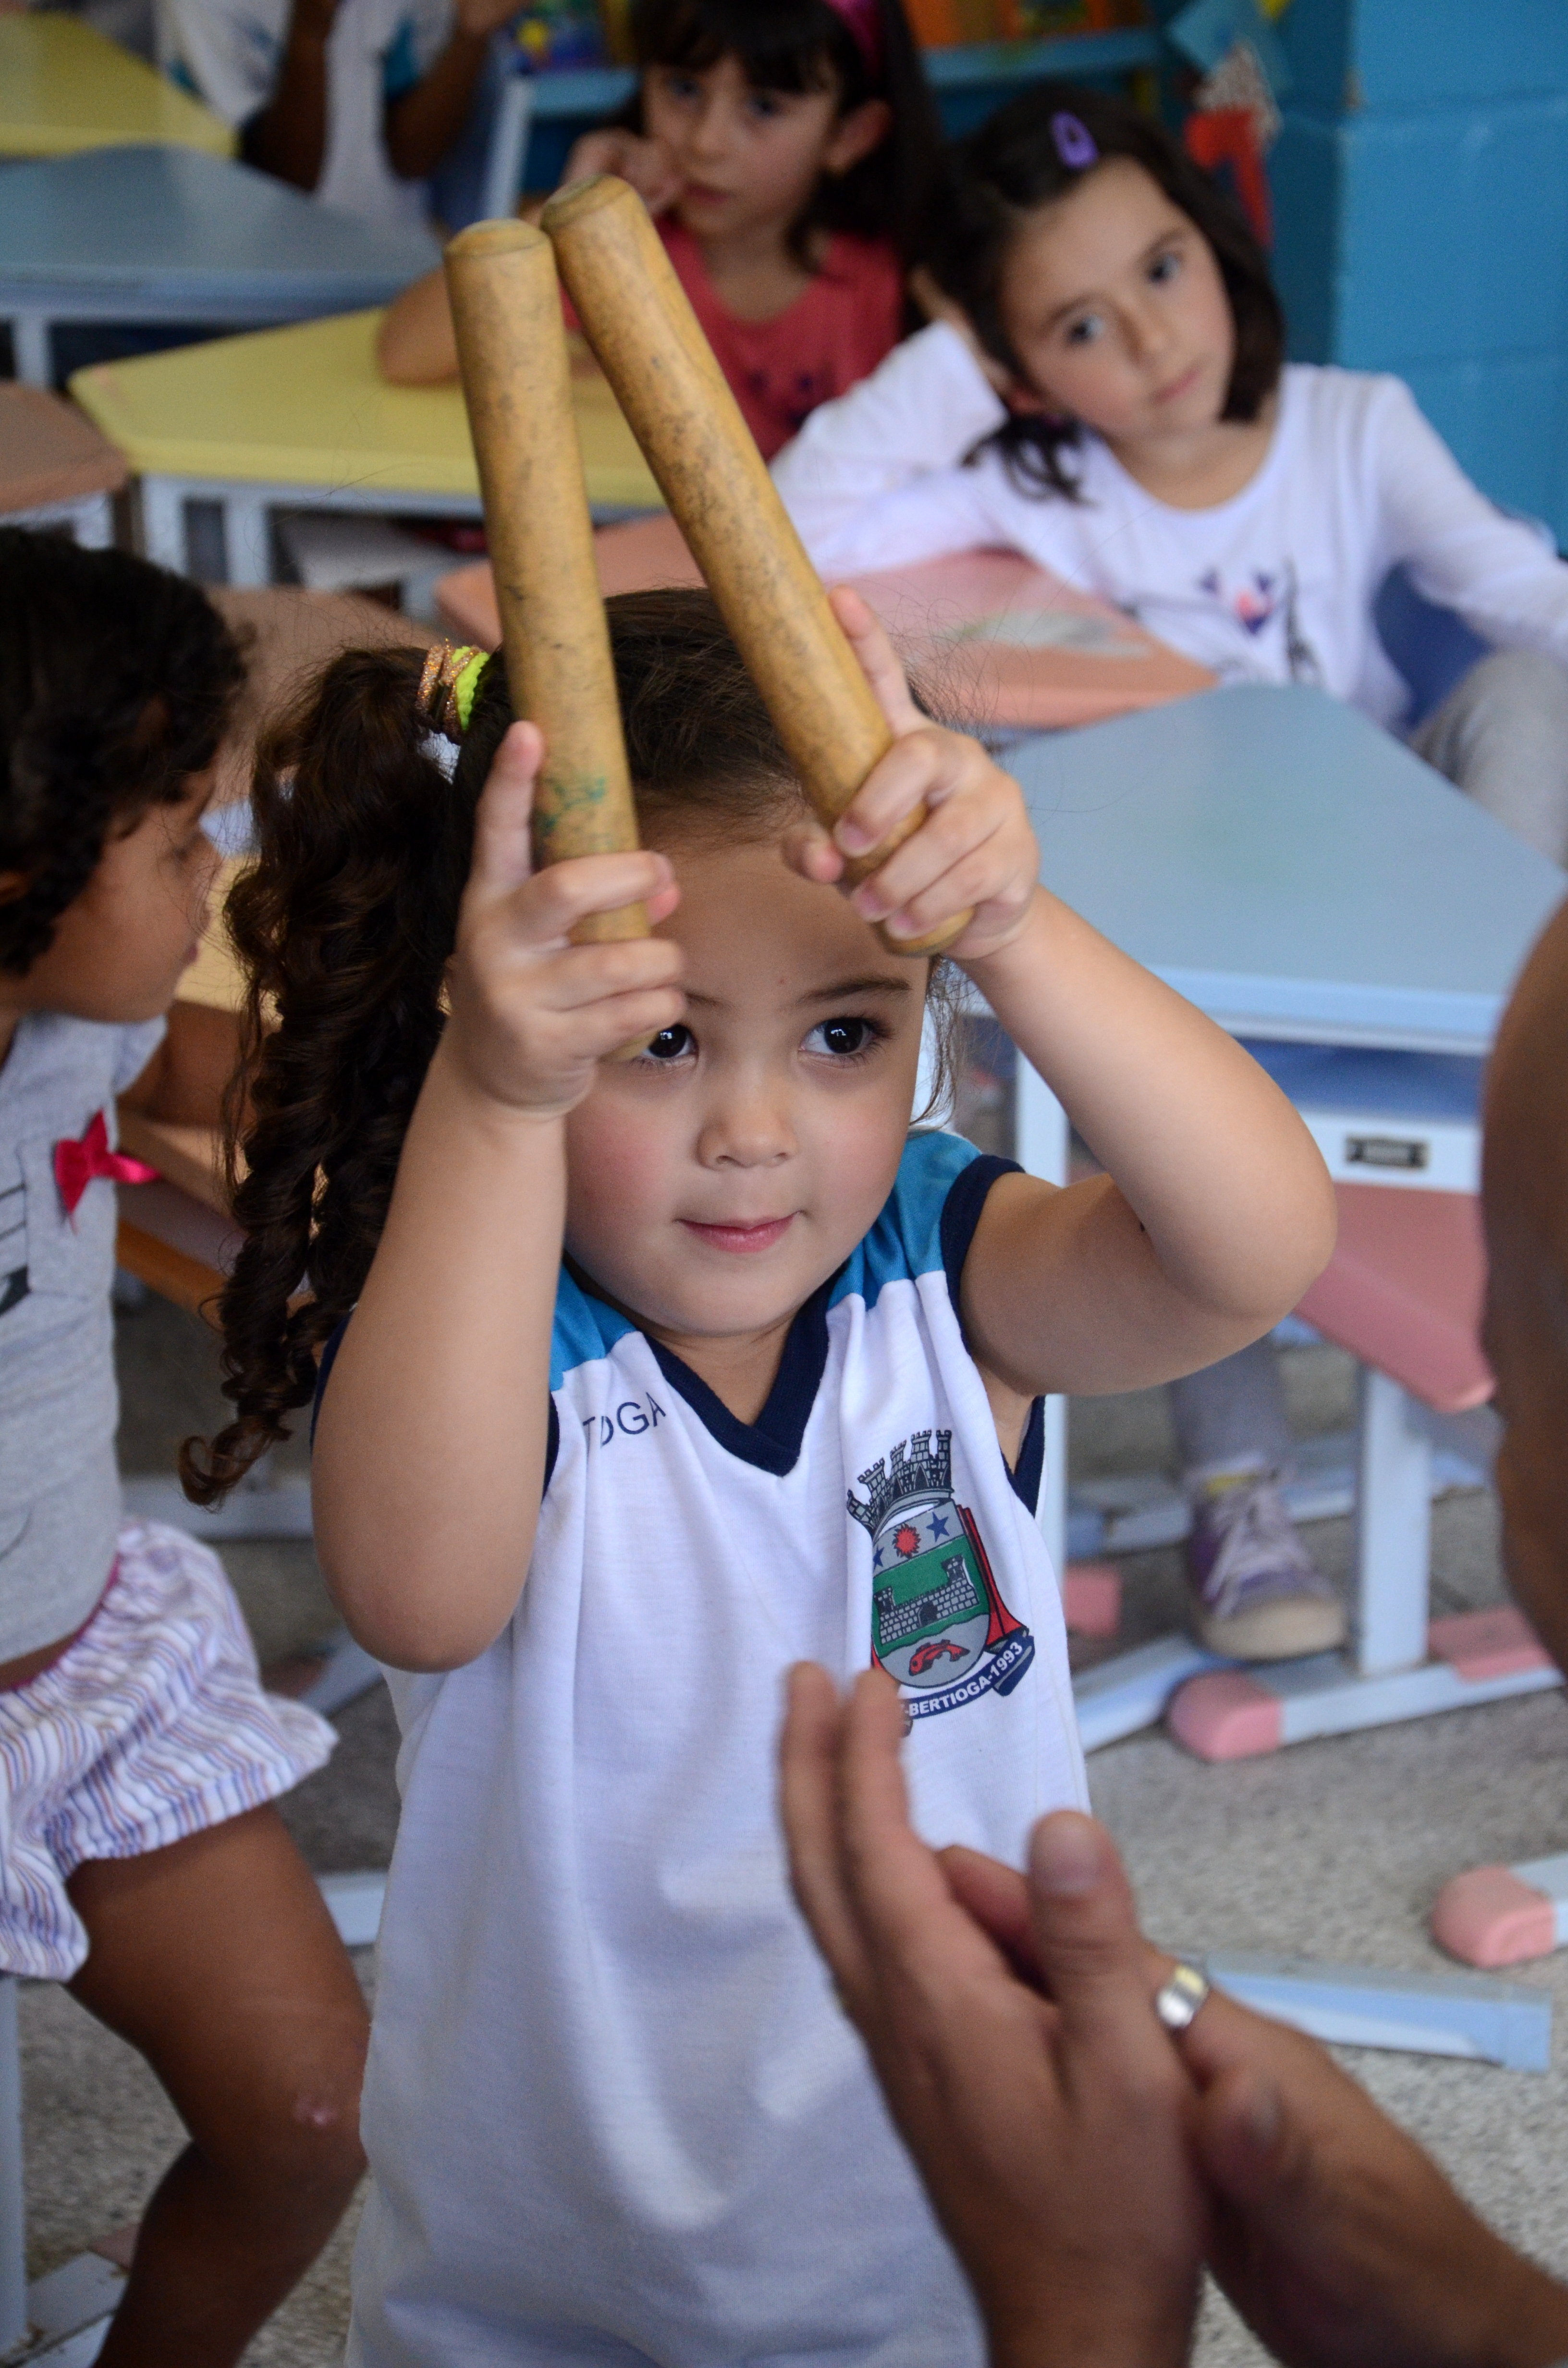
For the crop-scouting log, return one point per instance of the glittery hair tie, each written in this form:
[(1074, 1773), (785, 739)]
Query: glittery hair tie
[(1075, 142), (448, 687)]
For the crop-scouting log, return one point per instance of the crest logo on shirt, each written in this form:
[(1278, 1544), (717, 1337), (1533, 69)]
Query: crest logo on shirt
[(938, 1623)]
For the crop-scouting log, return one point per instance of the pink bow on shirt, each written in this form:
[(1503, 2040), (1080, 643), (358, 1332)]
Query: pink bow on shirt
[(76, 1164)]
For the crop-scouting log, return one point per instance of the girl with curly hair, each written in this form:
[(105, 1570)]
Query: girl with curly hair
[(647, 1376), (141, 1859)]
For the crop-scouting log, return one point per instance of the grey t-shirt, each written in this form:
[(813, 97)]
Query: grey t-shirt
[(59, 1405)]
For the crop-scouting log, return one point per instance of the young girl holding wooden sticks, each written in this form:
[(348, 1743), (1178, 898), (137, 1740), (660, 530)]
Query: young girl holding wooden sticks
[(788, 152), (663, 1373)]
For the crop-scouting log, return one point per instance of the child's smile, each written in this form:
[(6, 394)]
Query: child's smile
[(716, 1181)]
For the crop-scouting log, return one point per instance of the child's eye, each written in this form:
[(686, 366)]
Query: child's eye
[(844, 1040), (671, 1044), (678, 85), (1163, 269), (1085, 330), (764, 106)]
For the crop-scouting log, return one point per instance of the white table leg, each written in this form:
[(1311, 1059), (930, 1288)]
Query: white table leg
[(161, 510), (12, 2212), (1041, 1142), (94, 520), (247, 539), (31, 352), (1394, 1530)]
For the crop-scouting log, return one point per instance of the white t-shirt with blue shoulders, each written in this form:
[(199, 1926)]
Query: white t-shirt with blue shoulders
[(613, 2110)]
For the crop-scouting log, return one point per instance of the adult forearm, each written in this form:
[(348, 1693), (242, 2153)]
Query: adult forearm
[(429, 1460), (422, 125)]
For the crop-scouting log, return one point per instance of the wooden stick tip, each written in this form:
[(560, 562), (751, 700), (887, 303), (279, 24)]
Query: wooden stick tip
[(585, 197), (483, 238)]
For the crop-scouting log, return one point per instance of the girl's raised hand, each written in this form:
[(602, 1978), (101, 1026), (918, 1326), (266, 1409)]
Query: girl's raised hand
[(531, 1012), (975, 849), (646, 163)]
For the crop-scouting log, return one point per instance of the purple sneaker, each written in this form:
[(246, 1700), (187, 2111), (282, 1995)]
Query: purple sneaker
[(1257, 1595)]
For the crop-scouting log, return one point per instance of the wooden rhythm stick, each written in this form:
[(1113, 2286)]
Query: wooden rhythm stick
[(649, 346), (516, 384)]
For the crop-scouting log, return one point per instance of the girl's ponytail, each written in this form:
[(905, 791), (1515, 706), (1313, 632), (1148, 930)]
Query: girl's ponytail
[(344, 926)]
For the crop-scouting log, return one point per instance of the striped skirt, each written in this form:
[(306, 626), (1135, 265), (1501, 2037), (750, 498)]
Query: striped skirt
[(151, 1726)]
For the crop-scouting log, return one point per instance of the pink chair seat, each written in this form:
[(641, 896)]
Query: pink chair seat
[(1404, 1290)]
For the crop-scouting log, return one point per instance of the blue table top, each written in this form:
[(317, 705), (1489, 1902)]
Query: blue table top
[(1290, 867), (172, 224)]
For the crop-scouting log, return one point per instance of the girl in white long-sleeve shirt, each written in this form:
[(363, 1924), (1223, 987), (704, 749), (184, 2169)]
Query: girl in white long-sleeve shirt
[(1102, 388)]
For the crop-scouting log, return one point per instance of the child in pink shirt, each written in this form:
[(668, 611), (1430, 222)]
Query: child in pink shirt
[(787, 151)]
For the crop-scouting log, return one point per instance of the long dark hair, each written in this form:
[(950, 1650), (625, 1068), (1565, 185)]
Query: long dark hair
[(116, 683), (345, 926), (1013, 164), (799, 45)]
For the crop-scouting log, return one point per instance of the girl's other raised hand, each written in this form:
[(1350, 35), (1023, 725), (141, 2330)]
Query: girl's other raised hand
[(975, 848), (531, 1013), (647, 164)]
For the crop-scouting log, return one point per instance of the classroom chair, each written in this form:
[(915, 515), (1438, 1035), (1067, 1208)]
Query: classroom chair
[(1402, 1292), (55, 468)]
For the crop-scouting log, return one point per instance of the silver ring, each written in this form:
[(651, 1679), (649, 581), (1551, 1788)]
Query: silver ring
[(1179, 1999)]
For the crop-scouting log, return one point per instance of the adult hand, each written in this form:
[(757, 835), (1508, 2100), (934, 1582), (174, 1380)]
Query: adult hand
[(1053, 2134), (1337, 2238)]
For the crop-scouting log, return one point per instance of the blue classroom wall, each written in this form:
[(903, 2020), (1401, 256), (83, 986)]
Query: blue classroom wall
[(1421, 192)]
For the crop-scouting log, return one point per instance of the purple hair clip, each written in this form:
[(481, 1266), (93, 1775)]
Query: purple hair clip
[(1075, 142)]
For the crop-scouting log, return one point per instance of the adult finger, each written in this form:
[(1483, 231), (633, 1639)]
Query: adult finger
[(503, 849), (808, 1803), (1091, 1953), (880, 662), (997, 1898), (807, 848), (894, 1882)]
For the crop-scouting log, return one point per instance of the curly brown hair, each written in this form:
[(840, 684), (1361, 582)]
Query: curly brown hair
[(345, 926), (117, 680), (1010, 166)]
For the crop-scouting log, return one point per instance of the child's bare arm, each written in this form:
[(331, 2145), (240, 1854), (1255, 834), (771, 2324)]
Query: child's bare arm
[(429, 1454), (416, 344), (183, 1083), (1216, 1211)]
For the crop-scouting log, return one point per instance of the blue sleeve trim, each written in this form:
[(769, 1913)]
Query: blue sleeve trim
[(960, 1214), (967, 1196), (323, 1373), (1028, 1471)]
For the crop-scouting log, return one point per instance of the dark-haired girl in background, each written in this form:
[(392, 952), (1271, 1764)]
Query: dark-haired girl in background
[(140, 1858), (787, 151), (1104, 388)]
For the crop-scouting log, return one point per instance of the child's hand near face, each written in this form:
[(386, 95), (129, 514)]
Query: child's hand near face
[(531, 1012), (646, 163), (975, 848)]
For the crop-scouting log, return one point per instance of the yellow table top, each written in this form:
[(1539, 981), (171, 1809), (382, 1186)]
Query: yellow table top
[(63, 86), (307, 406)]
